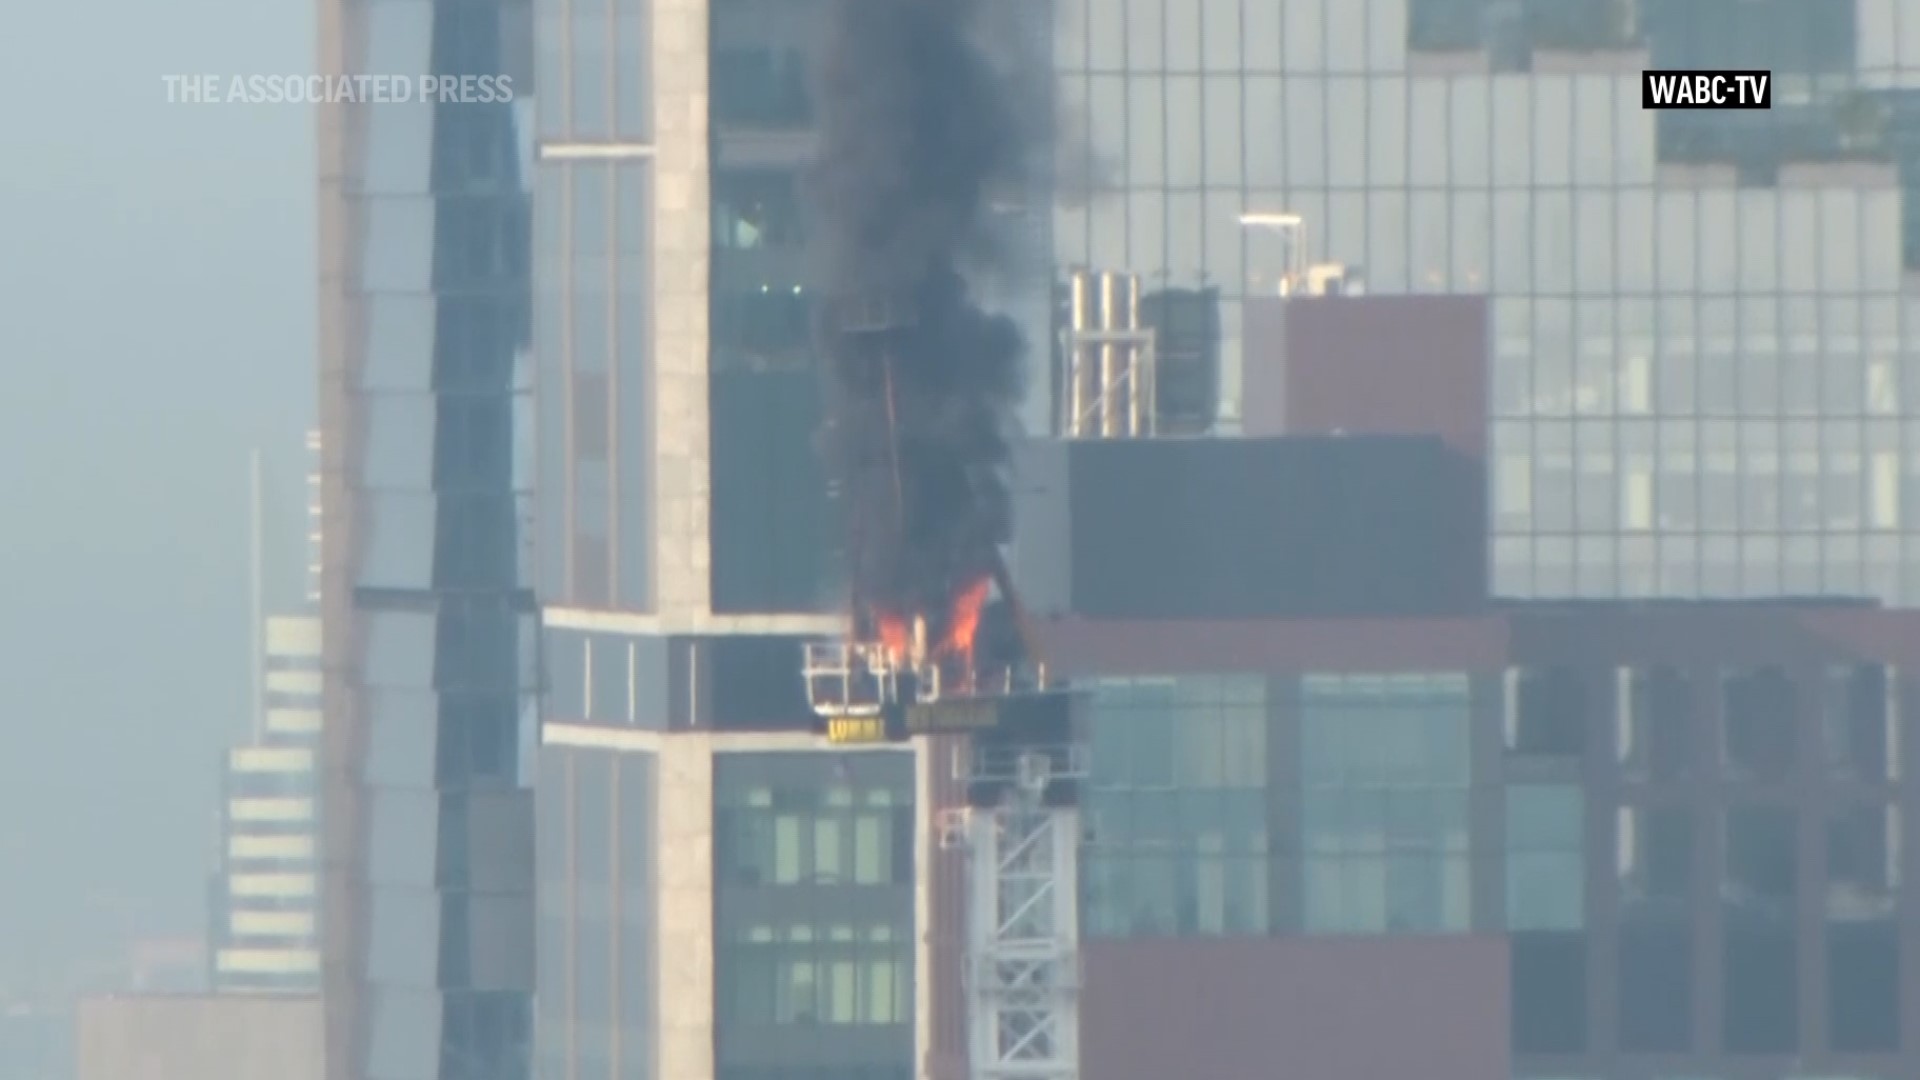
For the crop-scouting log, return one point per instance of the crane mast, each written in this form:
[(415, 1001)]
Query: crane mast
[(1020, 828)]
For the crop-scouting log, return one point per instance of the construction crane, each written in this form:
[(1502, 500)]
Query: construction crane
[(1020, 829)]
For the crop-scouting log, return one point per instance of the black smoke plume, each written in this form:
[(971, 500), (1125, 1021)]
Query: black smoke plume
[(924, 123)]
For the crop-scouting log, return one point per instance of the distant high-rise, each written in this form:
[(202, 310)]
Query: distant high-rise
[(264, 902), (265, 932)]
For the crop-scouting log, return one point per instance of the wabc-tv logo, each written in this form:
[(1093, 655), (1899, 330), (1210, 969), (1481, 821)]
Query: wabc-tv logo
[(1706, 90)]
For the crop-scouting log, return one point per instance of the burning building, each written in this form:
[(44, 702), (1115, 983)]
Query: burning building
[(684, 532)]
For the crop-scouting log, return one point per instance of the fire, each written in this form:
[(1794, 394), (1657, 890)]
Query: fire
[(894, 636), (965, 620), (902, 637)]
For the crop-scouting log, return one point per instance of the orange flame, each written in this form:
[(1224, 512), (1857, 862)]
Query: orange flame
[(964, 622), (894, 636)]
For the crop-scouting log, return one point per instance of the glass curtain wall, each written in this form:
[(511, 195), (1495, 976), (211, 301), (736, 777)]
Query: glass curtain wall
[(1706, 368)]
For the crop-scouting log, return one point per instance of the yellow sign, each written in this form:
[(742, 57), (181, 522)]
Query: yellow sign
[(952, 716), (856, 729)]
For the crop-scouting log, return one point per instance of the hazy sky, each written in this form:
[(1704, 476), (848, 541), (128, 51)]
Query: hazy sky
[(157, 312)]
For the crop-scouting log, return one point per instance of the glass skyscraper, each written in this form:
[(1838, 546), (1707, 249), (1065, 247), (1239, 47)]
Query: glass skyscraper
[(427, 608), (1707, 348), (679, 398)]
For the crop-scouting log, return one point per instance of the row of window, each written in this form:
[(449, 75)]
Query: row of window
[(1524, 566), (771, 984), (1787, 36), (1658, 986), (1134, 889), (1755, 389), (1385, 744), (1752, 389), (1150, 896), (1401, 892), (846, 847), (1612, 241), (1547, 494), (1719, 324), (1365, 821), (1655, 713), (1368, 733), (1143, 745), (1207, 820)]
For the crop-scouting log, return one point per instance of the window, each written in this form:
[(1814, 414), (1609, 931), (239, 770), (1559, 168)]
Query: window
[(1384, 781), (1762, 858), (763, 88), (635, 966), (870, 848), (1548, 979), (479, 736), (1546, 871), (755, 208), (830, 835), (764, 324), (1758, 729), (799, 973), (1863, 862), (1656, 729), (769, 480), (1177, 811), (1655, 853), (1655, 986), (612, 679), (1760, 976), (1514, 490), (1546, 713), (566, 674), (1858, 723), (1863, 987)]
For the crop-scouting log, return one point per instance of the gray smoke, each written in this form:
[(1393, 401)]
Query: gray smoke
[(925, 124)]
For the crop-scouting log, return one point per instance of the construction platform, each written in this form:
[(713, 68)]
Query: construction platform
[(862, 695)]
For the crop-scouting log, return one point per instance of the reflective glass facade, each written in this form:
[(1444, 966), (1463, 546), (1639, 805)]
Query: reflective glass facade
[(1180, 821), (1246, 805), (427, 611), (1681, 820), (679, 392), (596, 914), (1690, 863), (1706, 357), (594, 301), (772, 524)]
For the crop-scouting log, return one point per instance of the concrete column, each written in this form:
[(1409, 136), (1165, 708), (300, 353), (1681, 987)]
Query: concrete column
[(682, 242), (684, 926)]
